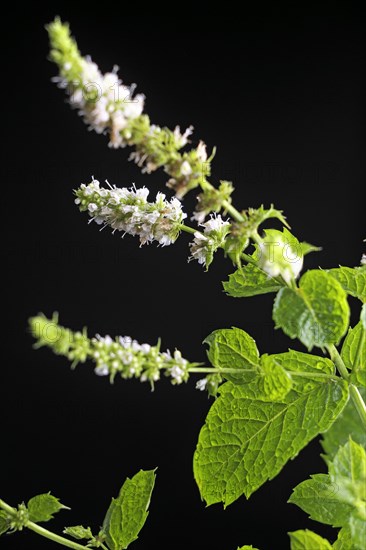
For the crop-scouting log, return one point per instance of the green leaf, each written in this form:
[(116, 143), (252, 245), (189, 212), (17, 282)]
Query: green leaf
[(363, 316), (246, 547), (348, 422), (358, 531), (353, 280), (233, 348), (298, 361), (344, 541), (42, 507), (4, 524), (308, 540), (127, 513), (250, 280), (319, 497), (351, 344), (348, 471), (317, 314), (306, 248), (79, 532), (246, 441), (273, 383)]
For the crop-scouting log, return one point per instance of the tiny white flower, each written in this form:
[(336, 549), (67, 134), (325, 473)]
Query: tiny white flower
[(101, 370), (92, 207), (201, 384), (185, 168)]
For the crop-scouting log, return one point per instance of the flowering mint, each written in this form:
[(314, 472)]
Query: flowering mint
[(121, 355), (109, 107), (205, 244), (129, 211)]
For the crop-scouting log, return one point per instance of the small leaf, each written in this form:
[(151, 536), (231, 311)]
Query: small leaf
[(250, 280), (246, 441), (42, 507), (317, 313), (353, 280), (306, 248), (351, 344), (344, 540), (235, 349), (79, 532), (4, 524), (246, 547), (348, 422), (348, 471), (127, 513), (308, 540), (319, 497)]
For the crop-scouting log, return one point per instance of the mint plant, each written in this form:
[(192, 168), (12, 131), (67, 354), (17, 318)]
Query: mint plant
[(124, 519), (267, 407)]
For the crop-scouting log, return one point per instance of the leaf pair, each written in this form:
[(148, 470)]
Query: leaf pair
[(260, 422)]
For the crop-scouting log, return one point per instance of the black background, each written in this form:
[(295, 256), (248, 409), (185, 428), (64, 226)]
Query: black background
[(283, 101)]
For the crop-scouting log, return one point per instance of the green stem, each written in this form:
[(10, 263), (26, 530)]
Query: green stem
[(338, 361), (41, 531), (358, 351), (358, 402), (187, 229), (232, 211), (353, 390), (208, 370)]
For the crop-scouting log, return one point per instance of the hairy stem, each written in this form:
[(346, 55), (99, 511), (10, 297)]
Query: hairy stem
[(42, 531), (338, 361)]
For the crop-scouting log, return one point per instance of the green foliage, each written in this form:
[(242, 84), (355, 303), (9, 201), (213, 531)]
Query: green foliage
[(317, 313), (246, 547), (246, 440), (319, 497), (42, 507), (354, 343), (353, 280), (233, 349), (79, 532), (338, 499), (4, 523), (128, 512), (250, 280), (348, 422), (308, 540)]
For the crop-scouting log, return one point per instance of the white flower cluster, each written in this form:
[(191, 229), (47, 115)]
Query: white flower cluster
[(205, 244), (131, 359), (279, 258), (103, 101), (176, 140), (129, 211)]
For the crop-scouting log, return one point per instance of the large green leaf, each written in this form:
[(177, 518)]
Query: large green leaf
[(127, 513), (352, 279), (246, 441), (317, 313), (250, 281), (347, 423), (308, 540)]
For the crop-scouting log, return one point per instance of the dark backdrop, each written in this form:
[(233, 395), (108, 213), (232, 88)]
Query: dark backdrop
[(283, 101)]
